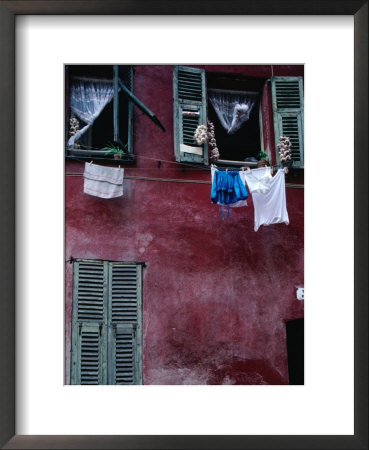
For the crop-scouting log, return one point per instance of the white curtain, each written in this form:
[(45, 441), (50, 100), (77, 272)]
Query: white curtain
[(233, 108), (87, 100)]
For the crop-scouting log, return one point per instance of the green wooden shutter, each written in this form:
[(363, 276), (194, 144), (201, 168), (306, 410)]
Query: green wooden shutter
[(89, 323), (189, 108), (288, 112), (106, 323), (125, 324), (90, 355), (124, 355)]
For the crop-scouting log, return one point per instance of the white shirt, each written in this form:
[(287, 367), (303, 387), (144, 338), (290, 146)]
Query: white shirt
[(270, 207), (258, 180)]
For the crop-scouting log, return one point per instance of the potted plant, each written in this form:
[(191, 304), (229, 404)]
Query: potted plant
[(262, 159), (115, 151)]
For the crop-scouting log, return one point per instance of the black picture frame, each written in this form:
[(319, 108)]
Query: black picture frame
[(8, 10)]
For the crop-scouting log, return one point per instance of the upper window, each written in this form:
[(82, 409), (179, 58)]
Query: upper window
[(233, 105), (99, 108)]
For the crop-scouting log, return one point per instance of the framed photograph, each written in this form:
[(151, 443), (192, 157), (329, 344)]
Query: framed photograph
[(125, 260)]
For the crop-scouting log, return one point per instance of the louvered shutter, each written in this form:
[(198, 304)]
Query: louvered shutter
[(288, 112), (125, 356), (89, 354), (89, 323), (189, 108)]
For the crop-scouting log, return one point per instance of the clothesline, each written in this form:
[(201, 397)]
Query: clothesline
[(130, 177), (228, 189), (174, 180)]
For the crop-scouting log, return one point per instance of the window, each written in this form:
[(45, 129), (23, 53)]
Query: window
[(106, 323), (234, 109), (99, 112), (233, 104)]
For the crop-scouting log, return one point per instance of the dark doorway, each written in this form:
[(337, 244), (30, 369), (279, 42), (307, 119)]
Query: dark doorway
[(295, 350)]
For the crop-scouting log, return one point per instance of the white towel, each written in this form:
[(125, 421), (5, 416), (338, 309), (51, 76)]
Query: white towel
[(102, 181)]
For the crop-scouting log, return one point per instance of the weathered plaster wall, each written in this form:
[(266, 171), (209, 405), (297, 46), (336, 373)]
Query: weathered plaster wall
[(215, 293)]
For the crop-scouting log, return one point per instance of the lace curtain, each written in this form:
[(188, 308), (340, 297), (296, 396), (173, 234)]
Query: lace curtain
[(87, 100), (233, 108)]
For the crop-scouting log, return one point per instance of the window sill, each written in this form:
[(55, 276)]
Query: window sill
[(252, 164), (225, 162), (83, 155), (298, 167)]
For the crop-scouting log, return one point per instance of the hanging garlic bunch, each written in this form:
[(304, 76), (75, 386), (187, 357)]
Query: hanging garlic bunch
[(284, 146), (205, 134), (74, 128), (200, 135), (214, 152)]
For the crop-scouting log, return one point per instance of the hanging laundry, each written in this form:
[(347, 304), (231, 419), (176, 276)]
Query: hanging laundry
[(259, 180), (227, 188), (102, 181), (242, 176), (270, 207)]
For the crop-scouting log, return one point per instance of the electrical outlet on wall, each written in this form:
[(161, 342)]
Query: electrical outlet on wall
[(300, 293)]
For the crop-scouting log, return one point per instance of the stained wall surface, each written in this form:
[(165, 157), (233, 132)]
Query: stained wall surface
[(216, 294)]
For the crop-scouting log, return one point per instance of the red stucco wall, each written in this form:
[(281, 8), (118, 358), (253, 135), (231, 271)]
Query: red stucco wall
[(215, 293)]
